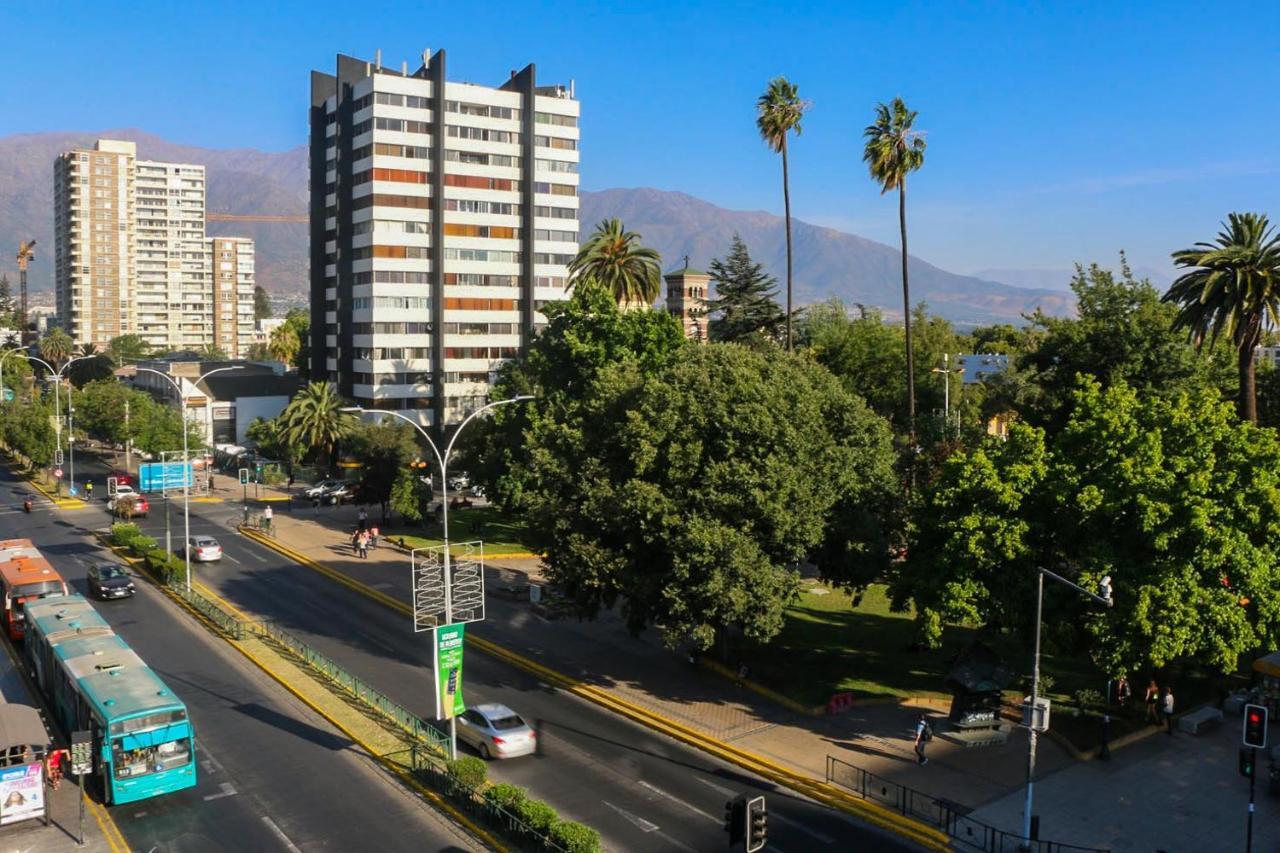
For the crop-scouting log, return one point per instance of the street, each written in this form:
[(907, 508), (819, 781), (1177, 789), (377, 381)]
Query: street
[(273, 775), (640, 789)]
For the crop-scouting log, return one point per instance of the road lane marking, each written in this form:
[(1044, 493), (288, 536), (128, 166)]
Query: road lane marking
[(231, 558), (226, 791), (642, 824), (257, 556), (800, 827), (279, 833), (673, 798), (719, 789)]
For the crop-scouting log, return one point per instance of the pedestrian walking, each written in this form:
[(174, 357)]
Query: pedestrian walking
[(373, 537), (363, 541), (1123, 691), (362, 518), (1152, 700), (266, 519), (355, 542), (1166, 707), (924, 734), (53, 765)]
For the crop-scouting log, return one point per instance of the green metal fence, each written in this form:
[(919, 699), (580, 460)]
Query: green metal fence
[(209, 609)]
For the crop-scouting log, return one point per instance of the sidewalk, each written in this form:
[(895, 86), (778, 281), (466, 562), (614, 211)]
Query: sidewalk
[(643, 672)]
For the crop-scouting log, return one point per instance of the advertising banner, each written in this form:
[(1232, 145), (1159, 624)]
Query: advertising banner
[(21, 792), (447, 643), (164, 476)]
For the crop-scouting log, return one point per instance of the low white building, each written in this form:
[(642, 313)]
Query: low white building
[(224, 404)]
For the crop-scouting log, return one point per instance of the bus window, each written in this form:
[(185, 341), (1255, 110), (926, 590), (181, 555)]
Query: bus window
[(132, 763)]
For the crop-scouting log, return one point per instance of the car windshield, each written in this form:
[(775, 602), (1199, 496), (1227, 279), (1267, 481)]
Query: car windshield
[(205, 543), (109, 572), (502, 724)]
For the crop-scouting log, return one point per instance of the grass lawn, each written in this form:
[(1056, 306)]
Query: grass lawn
[(500, 534), (827, 645)]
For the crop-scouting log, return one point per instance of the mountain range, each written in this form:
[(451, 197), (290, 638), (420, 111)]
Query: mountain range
[(828, 263)]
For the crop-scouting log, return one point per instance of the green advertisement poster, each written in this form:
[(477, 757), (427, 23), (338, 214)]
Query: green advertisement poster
[(448, 642)]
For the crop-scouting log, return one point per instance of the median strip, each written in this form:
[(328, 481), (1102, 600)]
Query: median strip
[(817, 789)]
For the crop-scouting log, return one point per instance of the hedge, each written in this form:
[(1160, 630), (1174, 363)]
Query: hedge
[(468, 770), (505, 796), (537, 815), (575, 837)]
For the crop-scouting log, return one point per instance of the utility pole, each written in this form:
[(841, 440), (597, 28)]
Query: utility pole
[(128, 437), (26, 254)]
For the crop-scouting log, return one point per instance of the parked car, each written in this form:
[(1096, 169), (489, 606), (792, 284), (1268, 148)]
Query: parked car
[(204, 549), (107, 580), (323, 488), (127, 502), (496, 731), (459, 482)]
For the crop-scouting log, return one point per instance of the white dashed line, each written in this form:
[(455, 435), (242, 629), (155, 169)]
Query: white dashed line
[(673, 798), (279, 833), (226, 791)]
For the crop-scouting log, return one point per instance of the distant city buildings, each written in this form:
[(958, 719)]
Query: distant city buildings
[(132, 257), (443, 217), (978, 367)]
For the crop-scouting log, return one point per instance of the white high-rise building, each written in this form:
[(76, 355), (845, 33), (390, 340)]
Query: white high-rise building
[(132, 256), (443, 216)]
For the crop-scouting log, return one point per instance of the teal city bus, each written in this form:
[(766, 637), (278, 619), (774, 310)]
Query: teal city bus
[(143, 744)]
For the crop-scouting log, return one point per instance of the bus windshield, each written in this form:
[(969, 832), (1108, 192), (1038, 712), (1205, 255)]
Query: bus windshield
[(38, 589), (132, 763)]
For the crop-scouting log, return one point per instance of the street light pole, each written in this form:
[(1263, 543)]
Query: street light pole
[(1032, 735), (187, 481), (444, 503), (57, 402), (2, 358)]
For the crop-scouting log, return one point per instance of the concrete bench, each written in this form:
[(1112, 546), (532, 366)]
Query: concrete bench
[(1203, 718)]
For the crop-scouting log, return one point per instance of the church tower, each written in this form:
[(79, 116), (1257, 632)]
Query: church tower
[(687, 299)]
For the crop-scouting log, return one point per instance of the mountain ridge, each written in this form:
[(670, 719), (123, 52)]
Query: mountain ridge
[(828, 263)]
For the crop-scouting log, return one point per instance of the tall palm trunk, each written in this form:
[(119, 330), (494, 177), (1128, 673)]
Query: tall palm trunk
[(786, 206), (1247, 364), (906, 313)]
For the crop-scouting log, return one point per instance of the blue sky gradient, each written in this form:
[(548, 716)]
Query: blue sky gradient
[(1057, 132)]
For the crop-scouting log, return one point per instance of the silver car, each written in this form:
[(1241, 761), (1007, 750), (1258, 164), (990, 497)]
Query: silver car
[(496, 731), (204, 549)]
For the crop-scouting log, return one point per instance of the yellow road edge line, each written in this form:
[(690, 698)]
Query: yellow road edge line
[(435, 798), (110, 829), (819, 789)]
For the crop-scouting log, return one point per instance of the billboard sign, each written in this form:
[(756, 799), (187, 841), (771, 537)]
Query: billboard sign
[(164, 476), (447, 643), (21, 792)]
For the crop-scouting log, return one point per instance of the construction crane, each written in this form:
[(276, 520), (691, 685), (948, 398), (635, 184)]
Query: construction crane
[(250, 217), (26, 254)]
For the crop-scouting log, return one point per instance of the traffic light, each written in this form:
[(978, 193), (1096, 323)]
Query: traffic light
[(1246, 761), (1255, 726), (735, 819), (757, 824)]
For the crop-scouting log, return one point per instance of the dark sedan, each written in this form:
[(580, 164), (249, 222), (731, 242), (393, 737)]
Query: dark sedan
[(107, 580)]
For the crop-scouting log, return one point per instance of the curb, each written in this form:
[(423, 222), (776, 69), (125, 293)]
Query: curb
[(767, 692), (819, 790)]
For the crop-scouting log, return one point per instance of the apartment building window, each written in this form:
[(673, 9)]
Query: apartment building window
[(489, 255), (383, 200), (391, 353), (471, 279), (557, 165), (392, 99), (477, 159), (549, 212), (391, 277), (501, 232), (413, 152), (557, 236), (554, 189), (401, 124), (481, 134), (403, 176), (478, 183), (394, 252), (400, 303), (479, 328), (390, 226), (464, 205), (485, 110), (471, 303), (391, 328), (556, 119), (558, 142), (549, 258)]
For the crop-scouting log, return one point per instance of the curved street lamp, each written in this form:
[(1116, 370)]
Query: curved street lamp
[(2, 358), (186, 460), (444, 503), (57, 402)]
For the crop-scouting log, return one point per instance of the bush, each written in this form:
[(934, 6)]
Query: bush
[(468, 771), (124, 535), (166, 567), (505, 796), (1086, 699), (539, 816), (574, 837)]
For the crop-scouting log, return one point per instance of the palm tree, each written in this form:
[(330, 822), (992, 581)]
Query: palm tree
[(284, 344), (778, 112), (893, 150), (1233, 289), (314, 418), (56, 347), (615, 258)]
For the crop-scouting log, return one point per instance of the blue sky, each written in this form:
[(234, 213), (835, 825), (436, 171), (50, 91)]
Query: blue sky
[(1057, 131)]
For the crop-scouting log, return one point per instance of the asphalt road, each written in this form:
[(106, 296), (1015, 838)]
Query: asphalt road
[(272, 774), (640, 789)]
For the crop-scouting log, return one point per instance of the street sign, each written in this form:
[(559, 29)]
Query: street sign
[(162, 476), (57, 472), (81, 753)]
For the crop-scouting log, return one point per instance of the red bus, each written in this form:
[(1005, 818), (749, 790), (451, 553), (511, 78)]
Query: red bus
[(25, 575)]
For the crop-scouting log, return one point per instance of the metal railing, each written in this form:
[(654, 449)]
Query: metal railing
[(431, 771), (951, 818), (209, 609)]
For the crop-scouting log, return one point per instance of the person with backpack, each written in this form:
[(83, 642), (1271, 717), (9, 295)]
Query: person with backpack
[(924, 734)]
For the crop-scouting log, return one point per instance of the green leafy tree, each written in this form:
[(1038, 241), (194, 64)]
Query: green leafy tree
[(127, 349), (56, 347), (744, 309), (385, 450), (778, 114), (29, 430), (261, 303), (271, 439), (615, 258), (299, 319), (686, 494), (100, 407), (1232, 291), (92, 367), (409, 495), (258, 352), (284, 344), (159, 428), (314, 419), (212, 352), (895, 149), (8, 316), (1144, 489)]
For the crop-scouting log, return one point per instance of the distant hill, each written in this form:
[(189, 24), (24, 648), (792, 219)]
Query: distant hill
[(1060, 279), (245, 181)]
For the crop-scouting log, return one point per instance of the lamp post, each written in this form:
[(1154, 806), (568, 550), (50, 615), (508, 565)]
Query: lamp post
[(186, 458), (946, 370), (57, 402), (2, 358), (1103, 596), (443, 460)]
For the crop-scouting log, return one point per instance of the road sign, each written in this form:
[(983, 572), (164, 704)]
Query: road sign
[(81, 752), (162, 476), (57, 472), (8, 395)]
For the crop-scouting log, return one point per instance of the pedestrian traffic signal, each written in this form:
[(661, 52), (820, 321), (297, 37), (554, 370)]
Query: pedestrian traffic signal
[(1255, 726), (735, 819), (757, 824), (1246, 761)]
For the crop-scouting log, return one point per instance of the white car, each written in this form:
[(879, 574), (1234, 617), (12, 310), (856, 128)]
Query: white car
[(121, 491), (204, 549), (496, 731)]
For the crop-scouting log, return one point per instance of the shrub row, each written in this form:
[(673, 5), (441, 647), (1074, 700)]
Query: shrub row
[(540, 817), (162, 565)]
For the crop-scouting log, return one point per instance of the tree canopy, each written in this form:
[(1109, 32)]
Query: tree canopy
[(744, 309)]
